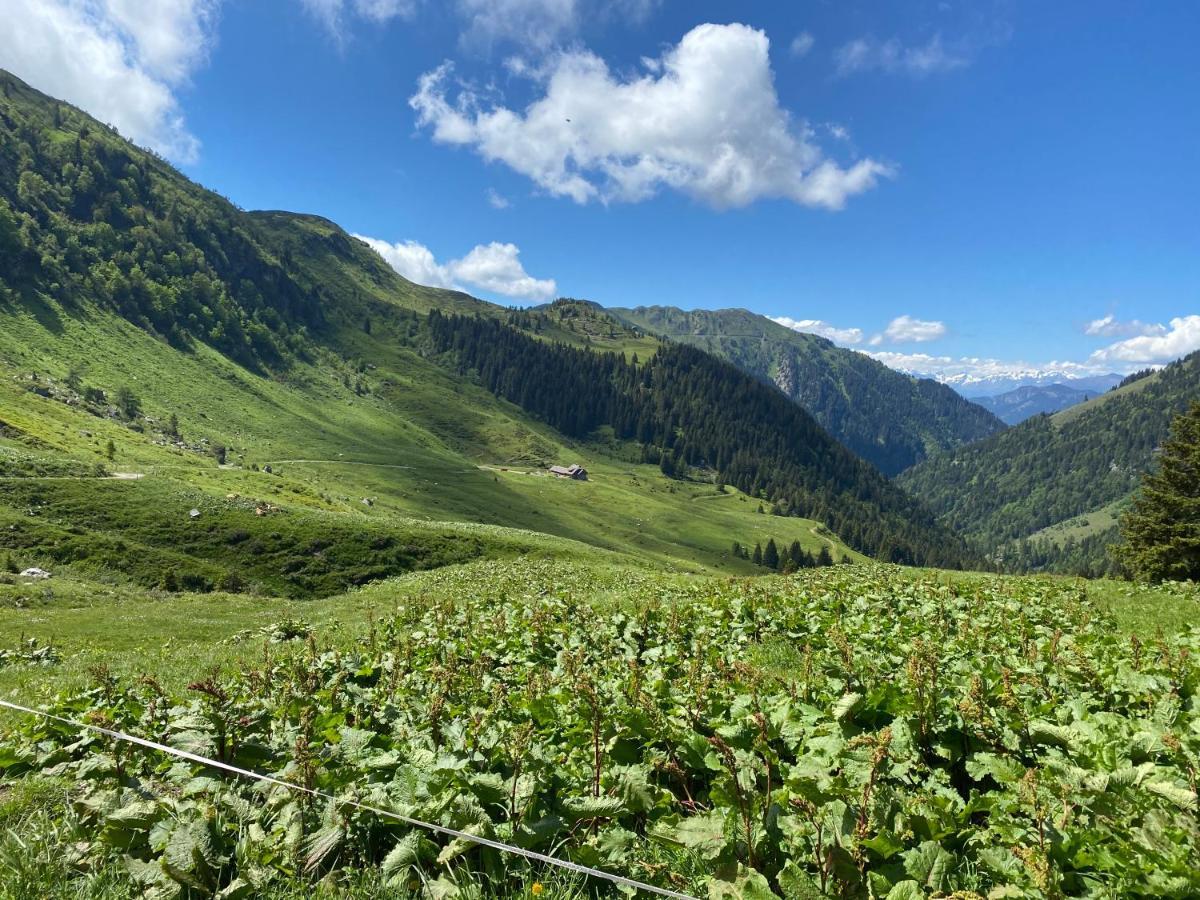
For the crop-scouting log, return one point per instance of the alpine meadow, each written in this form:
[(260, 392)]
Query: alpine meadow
[(827, 526)]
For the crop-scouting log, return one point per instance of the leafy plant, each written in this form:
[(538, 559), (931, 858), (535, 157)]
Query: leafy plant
[(991, 738)]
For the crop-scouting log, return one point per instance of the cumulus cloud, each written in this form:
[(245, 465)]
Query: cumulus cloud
[(120, 60), (494, 267), (907, 330), (801, 44), (704, 120), (1110, 327), (1161, 345), (413, 260), (891, 56), (846, 336)]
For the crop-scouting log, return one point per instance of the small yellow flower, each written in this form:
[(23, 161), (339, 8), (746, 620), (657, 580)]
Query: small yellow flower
[(537, 888)]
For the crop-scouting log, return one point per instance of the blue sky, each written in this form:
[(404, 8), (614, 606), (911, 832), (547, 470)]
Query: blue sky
[(955, 186)]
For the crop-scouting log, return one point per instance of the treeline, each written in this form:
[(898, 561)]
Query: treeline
[(1087, 557), (707, 414), (1050, 469), (85, 217), (786, 560)]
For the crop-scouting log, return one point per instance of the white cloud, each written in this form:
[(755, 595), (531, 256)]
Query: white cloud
[(532, 24), (907, 330), (1178, 339), (414, 261), (335, 15), (494, 267), (119, 60), (1162, 345), (706, 122), (891, 56), (496, 200), (801, 44), (846, 336), (1110, 327)]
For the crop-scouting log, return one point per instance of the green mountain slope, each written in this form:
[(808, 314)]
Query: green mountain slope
[(150, 327), (1051, 469), (889, 419), (688, 409)]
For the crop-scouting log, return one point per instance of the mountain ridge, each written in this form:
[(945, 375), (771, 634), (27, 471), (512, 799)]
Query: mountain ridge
[(1019, 404), (890, 419)]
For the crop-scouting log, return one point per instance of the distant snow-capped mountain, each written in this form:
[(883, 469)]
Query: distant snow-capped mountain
[(972, 385)]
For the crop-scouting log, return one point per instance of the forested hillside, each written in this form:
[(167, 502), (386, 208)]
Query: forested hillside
[(699, 411), (888, 418), (1050, 469), (85, 217)]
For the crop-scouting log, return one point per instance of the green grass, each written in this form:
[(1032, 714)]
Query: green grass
[(413, 444), (1103, 519)]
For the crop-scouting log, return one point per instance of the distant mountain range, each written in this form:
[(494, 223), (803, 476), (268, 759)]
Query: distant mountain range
[(1048, 470), (1019, 404), (973, 386), (889, 418)]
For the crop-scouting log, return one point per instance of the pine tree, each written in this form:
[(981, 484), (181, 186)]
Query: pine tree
[(796, 555), (823, 558), (1162, 527), (737, 550), (667, 465), (758, 555), (771, 555)]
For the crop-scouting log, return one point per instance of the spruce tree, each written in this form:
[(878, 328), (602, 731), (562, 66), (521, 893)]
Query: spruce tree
[(758, 555), (796, 555), (823, 558), (771, 555), (1162, 527)]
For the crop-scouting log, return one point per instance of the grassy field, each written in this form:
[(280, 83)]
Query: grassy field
[(837, 662), (1103, 519)]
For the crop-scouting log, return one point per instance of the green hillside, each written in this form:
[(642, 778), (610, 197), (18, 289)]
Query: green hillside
[(1021, 491), (889, 419), (144, 311)]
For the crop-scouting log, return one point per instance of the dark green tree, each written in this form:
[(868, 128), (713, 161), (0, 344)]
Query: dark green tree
[(128, 403), (1161, 530), (758, 555), (796, 555), (771, 555), (823, 558), (667, 464)]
